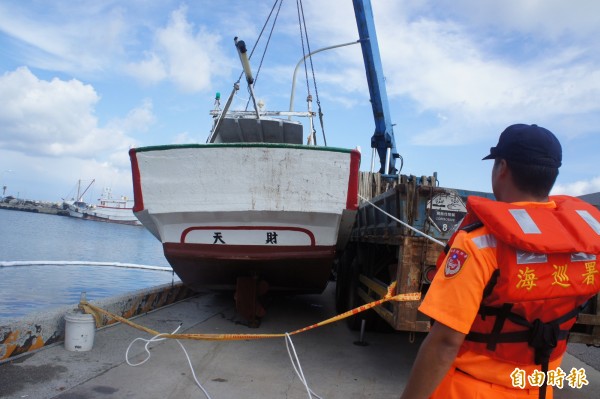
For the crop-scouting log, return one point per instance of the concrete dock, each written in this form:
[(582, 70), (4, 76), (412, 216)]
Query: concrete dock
[(333, 365)]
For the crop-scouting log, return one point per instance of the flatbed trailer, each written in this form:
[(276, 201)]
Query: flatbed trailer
[(381, 249)]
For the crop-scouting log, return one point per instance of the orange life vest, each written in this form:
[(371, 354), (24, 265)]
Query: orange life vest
[(547, 271)]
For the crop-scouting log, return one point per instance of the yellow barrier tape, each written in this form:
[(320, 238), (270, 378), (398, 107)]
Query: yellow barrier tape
[(415, 296)]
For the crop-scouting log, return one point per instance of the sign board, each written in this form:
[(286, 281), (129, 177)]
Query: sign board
[(446, 211)]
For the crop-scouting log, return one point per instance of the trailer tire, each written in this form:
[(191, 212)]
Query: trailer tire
[(342, 280), (354, 300)]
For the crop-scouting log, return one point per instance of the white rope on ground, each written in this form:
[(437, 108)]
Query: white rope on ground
[(403, 223), (81, 263), (298, 370), (157, 338)]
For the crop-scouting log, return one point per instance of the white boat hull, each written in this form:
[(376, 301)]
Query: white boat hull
[(223, 211), (105, 214)]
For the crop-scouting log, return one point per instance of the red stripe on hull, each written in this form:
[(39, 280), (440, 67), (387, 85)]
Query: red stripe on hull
[(287, 269), (138, 198), (352, 199)]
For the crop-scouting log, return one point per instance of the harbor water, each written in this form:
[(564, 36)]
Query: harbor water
[(46, 261)]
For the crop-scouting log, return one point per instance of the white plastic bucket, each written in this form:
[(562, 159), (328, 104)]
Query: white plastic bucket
[(80, 329)]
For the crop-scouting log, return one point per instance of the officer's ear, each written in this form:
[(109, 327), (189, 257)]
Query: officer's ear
[(501, 167)]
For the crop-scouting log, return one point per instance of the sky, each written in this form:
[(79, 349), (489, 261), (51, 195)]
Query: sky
[(82, 82)]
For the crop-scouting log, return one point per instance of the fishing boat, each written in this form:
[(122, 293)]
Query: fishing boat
[(278, 213), (76, 203), (253, 208), (108, 209)]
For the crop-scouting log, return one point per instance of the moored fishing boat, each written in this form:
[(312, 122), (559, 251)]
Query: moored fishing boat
[(252, 209), (276, 215), (108, 209)]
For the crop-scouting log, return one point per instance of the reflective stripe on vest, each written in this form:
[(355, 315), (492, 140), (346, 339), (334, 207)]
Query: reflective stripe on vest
[(525, 221), (485, 241), (582, 257), (589, 219)]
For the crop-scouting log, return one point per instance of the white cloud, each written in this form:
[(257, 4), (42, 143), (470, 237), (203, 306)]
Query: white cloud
[(456, 73), (446, 61), (63, 37), (138, 119), (579, 187), (184, 138), (52, 118), (113, 38), (187, 56), (57, 118), (548, 18), (149, 71), (51, 179)]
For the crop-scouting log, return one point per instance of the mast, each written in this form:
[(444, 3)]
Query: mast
[(79, 197), (242, 52)]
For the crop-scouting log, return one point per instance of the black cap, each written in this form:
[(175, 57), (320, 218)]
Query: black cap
[(529, 145)]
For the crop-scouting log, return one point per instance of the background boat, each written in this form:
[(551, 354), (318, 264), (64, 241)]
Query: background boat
[(108, 209)]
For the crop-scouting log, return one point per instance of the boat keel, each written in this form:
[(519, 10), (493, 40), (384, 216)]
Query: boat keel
[(248, 291)]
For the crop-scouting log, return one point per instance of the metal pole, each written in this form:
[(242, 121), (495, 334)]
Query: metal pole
[(302, 60), (242, 52), (361, 338), (387, 160), (211, 137), (312, 138), (373, 159)]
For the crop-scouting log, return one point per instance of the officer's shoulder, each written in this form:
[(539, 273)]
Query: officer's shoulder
[(471, 232), (472, 227)]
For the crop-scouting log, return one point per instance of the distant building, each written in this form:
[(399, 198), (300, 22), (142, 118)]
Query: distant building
[(593, 199)]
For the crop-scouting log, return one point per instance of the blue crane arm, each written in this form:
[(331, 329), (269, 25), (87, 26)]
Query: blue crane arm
[(383, 138)]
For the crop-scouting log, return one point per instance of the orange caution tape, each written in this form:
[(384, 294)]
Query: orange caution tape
[(415, 296)]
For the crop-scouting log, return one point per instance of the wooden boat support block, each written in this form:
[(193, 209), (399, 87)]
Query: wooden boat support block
[(587, 327), (249, 290), (592, 319), (581, 338), (592, 337), (41, 329)]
